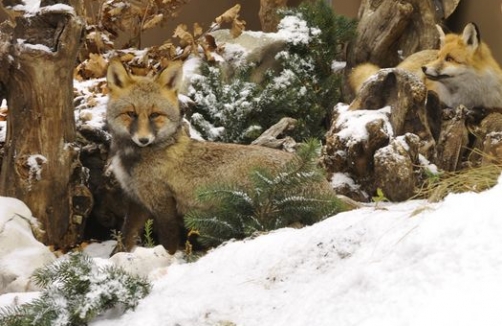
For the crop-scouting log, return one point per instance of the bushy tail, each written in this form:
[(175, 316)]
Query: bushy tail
[(360, 74)]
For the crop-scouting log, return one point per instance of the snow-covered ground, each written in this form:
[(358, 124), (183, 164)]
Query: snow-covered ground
[(413, 263)]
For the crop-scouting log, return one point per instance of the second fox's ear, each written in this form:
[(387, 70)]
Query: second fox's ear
[(441, 35), (471, 36), (117, 76), (172, 76)]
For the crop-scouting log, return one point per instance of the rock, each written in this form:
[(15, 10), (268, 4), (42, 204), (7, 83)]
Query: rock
[(395, 167), (351, 143), (452, 142), (490, 134), (256, 48), (144, 261), (406, 95)]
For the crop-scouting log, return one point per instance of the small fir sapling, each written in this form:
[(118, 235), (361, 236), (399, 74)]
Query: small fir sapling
[(274, 200), (236, 109)]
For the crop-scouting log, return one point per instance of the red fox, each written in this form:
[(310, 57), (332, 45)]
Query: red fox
[(156, 162), (462, 72)]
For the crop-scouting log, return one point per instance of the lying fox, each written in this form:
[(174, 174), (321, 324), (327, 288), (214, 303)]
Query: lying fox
[(462, 72), (156, 162)]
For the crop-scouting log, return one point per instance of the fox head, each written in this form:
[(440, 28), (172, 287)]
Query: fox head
[(458, 55), (143, 110)]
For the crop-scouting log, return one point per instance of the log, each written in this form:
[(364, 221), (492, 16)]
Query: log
[(269, 137), (40, 165)]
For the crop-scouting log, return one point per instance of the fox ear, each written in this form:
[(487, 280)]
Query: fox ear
[(172, 76), (117, 76), (441, 35), (471, 36)]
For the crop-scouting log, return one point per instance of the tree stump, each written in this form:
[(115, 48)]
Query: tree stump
[(389, 29), (40, 165)]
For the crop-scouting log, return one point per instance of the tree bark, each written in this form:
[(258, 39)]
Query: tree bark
[(40, 165), (268, 14), (389, 29)]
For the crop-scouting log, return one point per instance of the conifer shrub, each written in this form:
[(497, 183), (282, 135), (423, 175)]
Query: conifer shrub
[(75, 290), (305, 87), (273, 200)]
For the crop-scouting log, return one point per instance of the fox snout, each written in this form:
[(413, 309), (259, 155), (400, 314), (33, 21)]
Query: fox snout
[(143, 141), (434, 74), (141, 129)]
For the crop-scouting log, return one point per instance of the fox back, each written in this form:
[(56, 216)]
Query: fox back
[(158, 164)]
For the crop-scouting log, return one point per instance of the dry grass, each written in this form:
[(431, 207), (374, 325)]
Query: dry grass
[(470, 179)]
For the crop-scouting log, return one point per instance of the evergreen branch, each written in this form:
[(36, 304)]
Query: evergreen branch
[(75, 290)]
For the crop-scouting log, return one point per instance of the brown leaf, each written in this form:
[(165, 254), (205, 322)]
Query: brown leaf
[(154, 21), (197, 30), (237, 27), (208, 53), (211, 42), (185, 37), (229, 15), (96, 66)]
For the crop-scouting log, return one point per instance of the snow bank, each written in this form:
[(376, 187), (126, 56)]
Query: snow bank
[(20, 252), (412, 263)]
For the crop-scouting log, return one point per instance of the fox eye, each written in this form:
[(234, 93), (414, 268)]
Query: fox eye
[(154, 115), (131, 114), (449, 58)]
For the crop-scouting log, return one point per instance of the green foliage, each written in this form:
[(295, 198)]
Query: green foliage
[(303, 85), (273, 200), (380, 197), (149, 242), (75, 290), (224, 109)]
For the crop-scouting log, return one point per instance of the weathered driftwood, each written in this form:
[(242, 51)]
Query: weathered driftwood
[(269, 137), (406, 95), (40, 164), (453, 141), (389, 29)]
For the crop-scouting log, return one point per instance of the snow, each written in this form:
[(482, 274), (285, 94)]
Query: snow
[(413, 263), (20, 252), (352, 124), (295, 30), (28, 6), (35, 163), (35, 47)]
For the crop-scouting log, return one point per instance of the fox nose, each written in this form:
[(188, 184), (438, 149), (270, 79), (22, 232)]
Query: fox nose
[(144, 140), (424, 69)]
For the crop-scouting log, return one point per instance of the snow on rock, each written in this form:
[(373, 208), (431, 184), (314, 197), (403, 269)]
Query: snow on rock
[(27, 6), (413, 263), (352, 124), (20, 252), (143, 261)]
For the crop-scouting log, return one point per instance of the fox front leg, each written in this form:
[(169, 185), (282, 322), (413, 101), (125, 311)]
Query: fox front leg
[(132, 227), (167, 224)]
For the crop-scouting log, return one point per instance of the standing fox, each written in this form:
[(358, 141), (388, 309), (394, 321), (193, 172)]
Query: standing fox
[(462, 72), (158, 164)]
